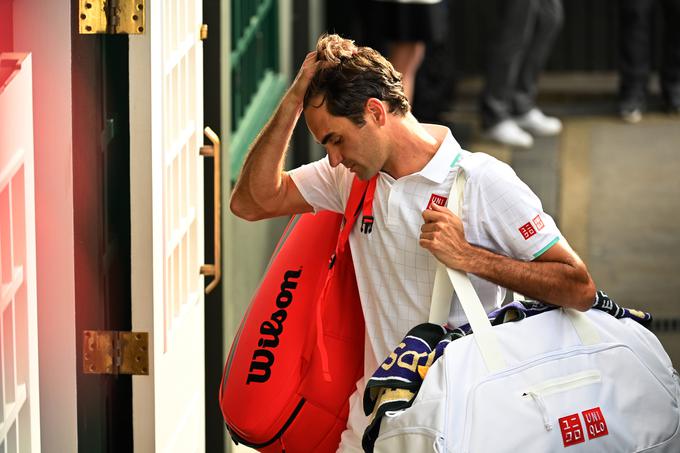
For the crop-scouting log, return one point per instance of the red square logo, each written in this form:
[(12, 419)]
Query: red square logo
[(596, 426), (538, 222), (572, 430), (436, 199), (527, 230)]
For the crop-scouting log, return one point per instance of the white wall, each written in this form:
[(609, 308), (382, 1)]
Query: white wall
[(44, 28)]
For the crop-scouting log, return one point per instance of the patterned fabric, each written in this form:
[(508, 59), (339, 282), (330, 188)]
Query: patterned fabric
[(396, 382), (604, 303)]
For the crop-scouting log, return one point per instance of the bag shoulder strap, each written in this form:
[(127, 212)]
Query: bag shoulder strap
[(486, 339), (360, 195), (442, 292), (360, 200)]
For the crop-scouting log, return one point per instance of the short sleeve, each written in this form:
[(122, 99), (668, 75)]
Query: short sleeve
[(509, 214), (325, 188)]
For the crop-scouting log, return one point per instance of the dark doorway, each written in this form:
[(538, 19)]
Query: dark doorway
[(213, 53), (101, 147)]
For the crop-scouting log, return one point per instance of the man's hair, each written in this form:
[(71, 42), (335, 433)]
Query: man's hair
[(354, 75)]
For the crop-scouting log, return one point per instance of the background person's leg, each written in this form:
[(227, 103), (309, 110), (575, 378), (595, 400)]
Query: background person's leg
[(506, 53), (635, 22), (670, 73), (549, 20), (406, 58)]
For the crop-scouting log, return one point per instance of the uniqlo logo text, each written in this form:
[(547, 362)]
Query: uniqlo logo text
[(596, 426), (572, 430), (538, 222), (437, 199), (527, 230)]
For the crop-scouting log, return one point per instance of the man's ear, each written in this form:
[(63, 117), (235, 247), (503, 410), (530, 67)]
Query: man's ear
[(376, 111)]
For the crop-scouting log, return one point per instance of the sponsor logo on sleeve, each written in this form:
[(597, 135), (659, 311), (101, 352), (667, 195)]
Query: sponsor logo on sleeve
[(527, 230), (538, 223), (532, 227)]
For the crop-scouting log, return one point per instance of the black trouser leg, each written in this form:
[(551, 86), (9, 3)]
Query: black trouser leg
[(506, 54), (549, 19), (635, 19), (670, 72)]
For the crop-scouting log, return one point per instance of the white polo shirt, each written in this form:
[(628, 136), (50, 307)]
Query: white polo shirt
[(395, 274)]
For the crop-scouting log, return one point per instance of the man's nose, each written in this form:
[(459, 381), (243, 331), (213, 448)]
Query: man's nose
[(334, 157)]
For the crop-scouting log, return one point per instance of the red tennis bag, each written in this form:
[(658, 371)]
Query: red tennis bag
[(299, 350)]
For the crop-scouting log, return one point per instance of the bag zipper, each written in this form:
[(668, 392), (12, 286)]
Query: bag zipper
[(558, 385), (538, 399), (575, 350), (564, 383)]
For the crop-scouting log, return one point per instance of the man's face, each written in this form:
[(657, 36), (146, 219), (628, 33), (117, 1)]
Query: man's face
[(361, 149)]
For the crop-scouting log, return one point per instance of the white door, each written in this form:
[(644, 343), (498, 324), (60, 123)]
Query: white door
[(166, 123), (19, 401)]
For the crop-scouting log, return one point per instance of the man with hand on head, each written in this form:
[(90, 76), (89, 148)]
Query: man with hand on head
[(354, 105)]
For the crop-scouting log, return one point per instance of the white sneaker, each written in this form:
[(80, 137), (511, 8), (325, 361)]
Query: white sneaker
[(537, 123), (509, 133)]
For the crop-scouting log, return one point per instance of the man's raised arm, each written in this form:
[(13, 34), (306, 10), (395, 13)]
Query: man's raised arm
[(263, 189)]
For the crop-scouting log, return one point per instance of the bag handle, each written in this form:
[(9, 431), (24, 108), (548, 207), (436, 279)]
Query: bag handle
[(446, 281)]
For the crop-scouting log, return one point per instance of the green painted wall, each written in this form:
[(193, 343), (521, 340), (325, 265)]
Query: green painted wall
[(250, 246)]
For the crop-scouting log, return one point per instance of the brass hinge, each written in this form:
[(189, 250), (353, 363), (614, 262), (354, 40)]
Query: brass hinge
[(204, 32), (114, 17), (113, 352)]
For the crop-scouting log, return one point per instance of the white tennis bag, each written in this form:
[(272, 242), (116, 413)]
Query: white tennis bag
[(559, 381)]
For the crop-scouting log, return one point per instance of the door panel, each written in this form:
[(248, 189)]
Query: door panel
[(19, 399), (167, 226)]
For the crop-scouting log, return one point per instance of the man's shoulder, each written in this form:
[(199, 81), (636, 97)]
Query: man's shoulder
[(479, 165)]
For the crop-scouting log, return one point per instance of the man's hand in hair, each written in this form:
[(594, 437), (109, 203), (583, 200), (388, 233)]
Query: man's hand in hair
[(296, 92)]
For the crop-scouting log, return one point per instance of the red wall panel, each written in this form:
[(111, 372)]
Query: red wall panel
[(6, 29)]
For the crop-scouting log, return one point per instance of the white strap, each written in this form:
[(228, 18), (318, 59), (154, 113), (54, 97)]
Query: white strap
[(487, 341), (584, 327), (446, 280), (442, 290), (472, 306), (441, 297)]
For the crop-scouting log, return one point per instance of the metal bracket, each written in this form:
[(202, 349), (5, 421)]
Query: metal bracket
[(113, 352), (114, 17)]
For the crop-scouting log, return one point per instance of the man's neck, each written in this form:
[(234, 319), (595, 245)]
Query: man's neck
[(413, 146)]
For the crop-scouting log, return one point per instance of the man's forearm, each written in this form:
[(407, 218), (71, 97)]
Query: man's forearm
[(558, 283), (557, 277), (262, 189), (261, 176)]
